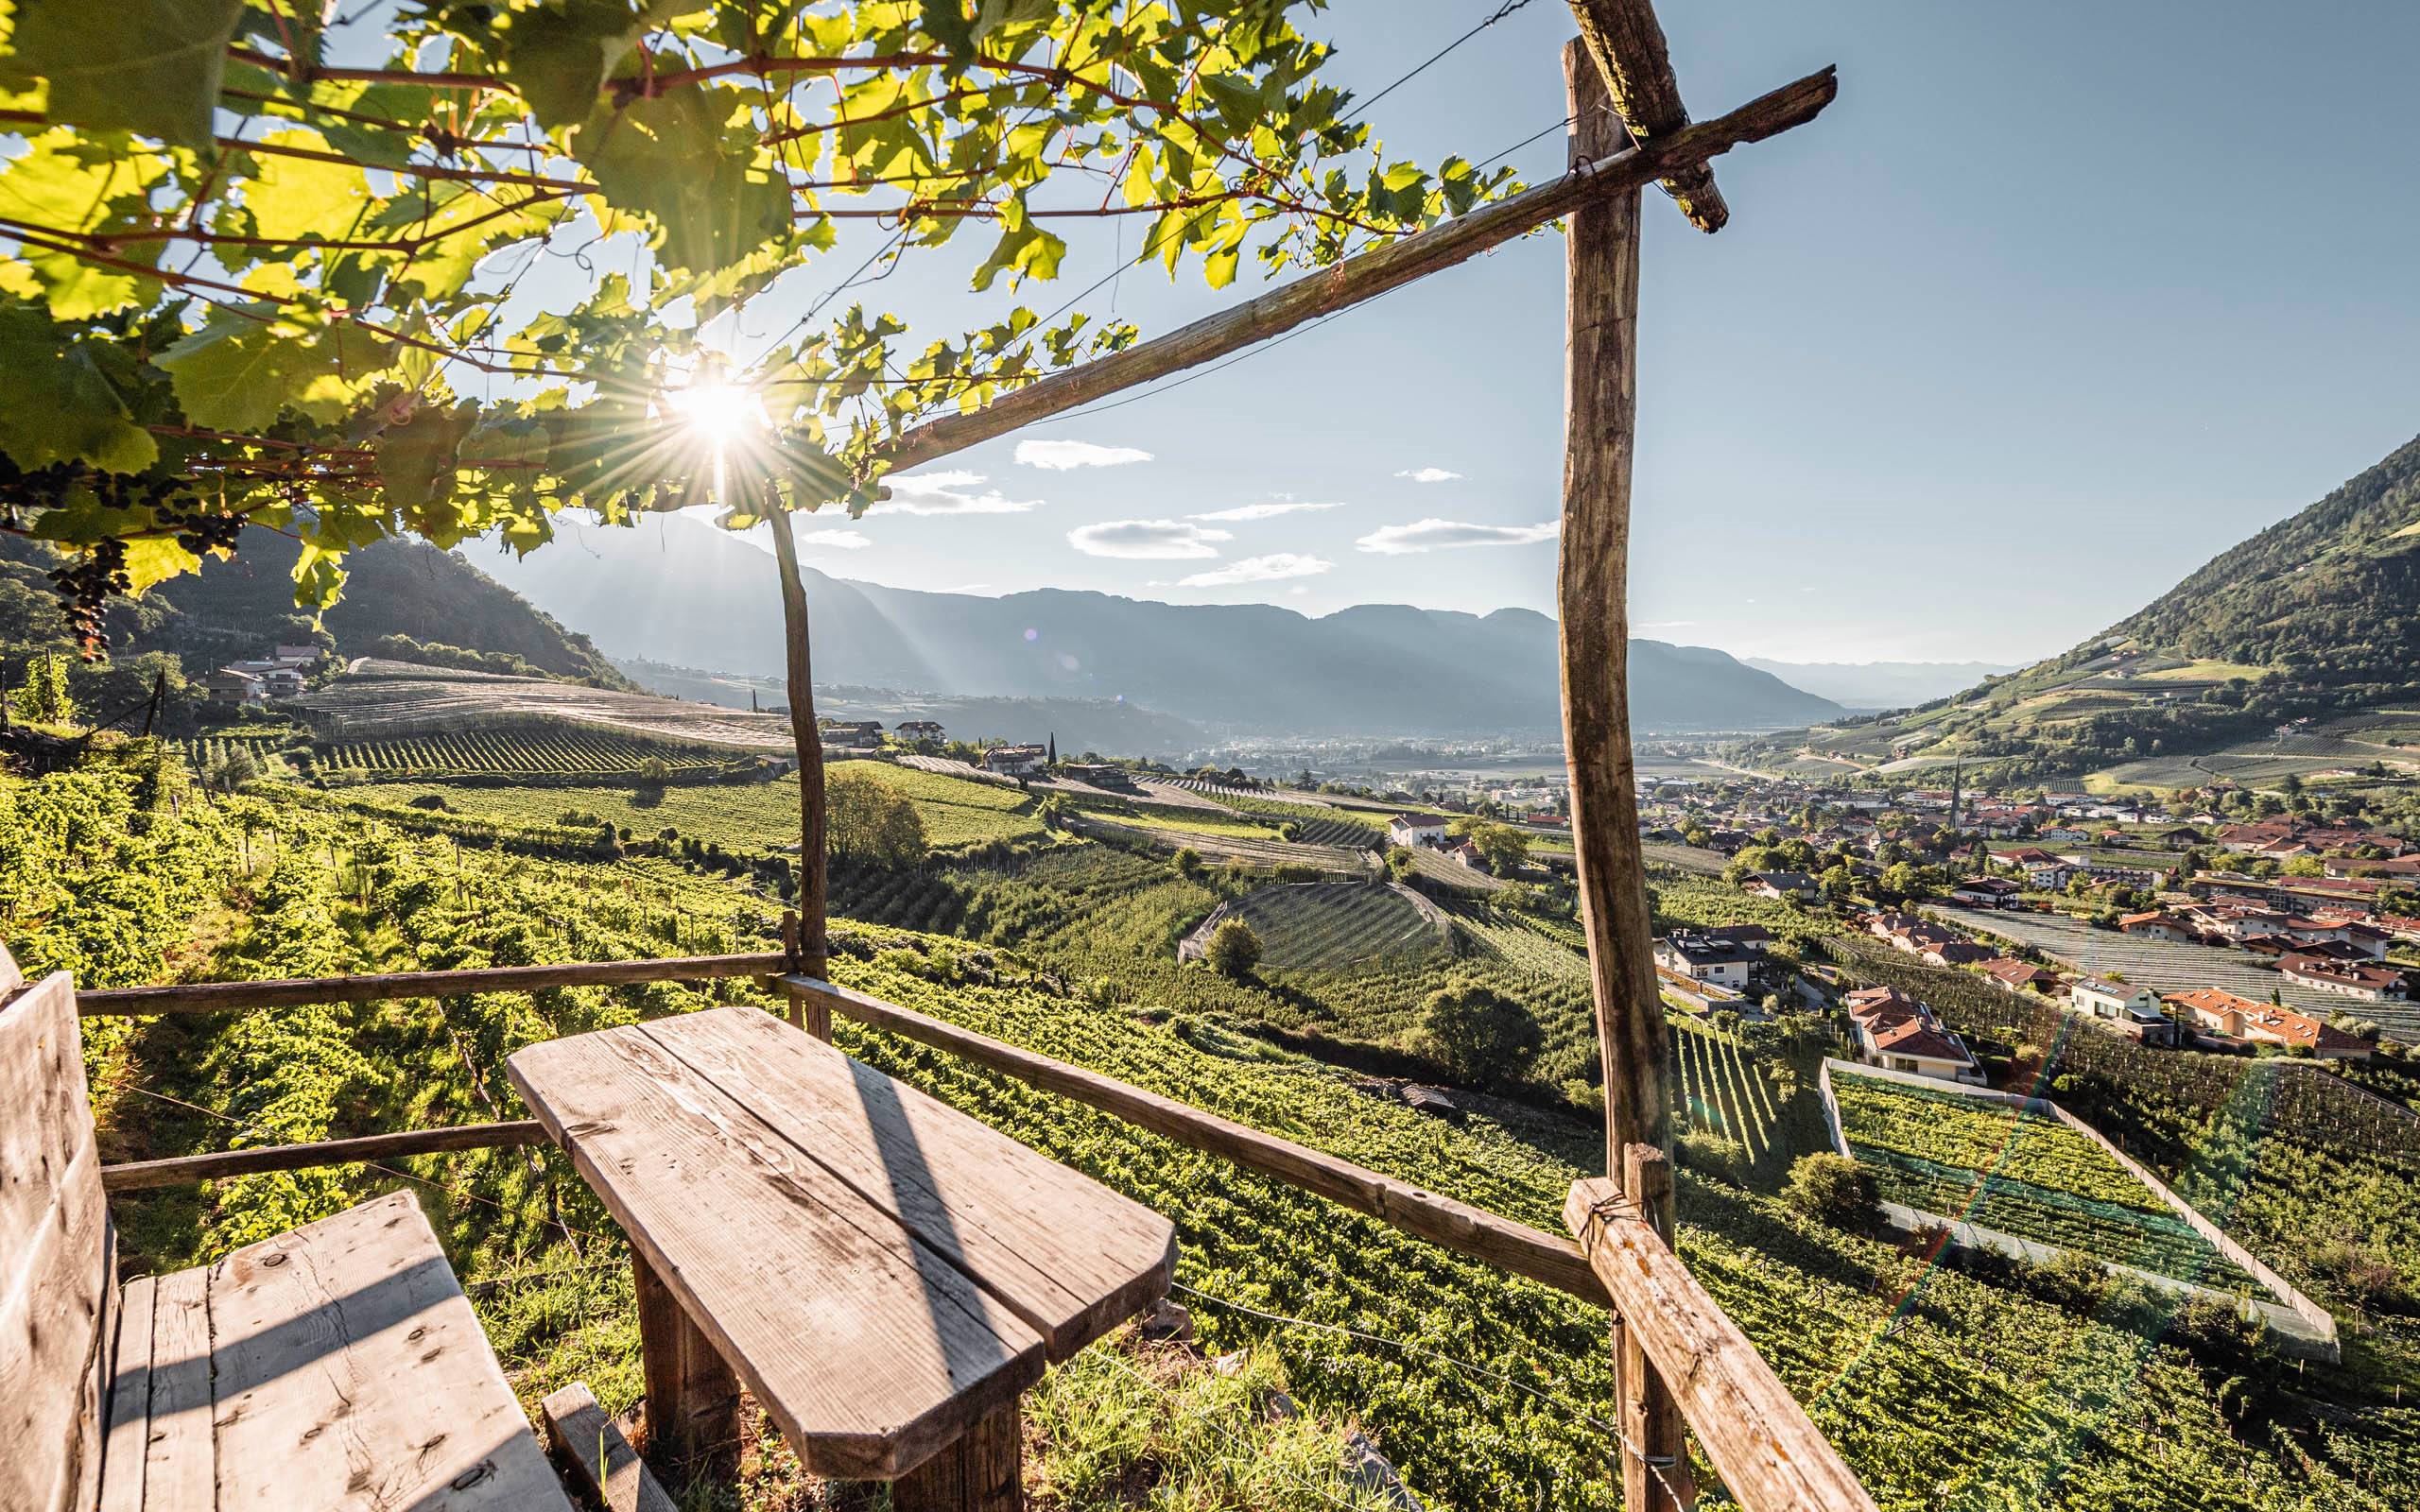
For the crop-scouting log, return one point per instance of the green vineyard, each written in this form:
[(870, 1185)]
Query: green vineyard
[(1333, 926), (2020, 1172), (1719, 1089), (517, 753)]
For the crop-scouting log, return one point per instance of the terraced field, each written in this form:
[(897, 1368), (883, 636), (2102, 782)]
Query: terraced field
[(1333, 926), (2020, 1172), (379, 700), (567, 751), (1265, 855)]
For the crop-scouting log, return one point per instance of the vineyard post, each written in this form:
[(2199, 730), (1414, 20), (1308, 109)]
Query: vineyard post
[(1600, 263), (812, 945)]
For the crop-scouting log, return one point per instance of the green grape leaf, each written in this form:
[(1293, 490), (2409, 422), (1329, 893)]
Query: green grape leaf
[(155, 559), (60, 186), (148, 66), (669, 157), (60, 406), (558, 56), (417, 460), (239, 374)]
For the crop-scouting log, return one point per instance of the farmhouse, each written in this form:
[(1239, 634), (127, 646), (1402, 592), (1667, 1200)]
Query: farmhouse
[(1953, 952), (2371, 984), (228, 685), (1014, 760), (918, 730), (2133, 1010), (1416, 829), (1987, 892), (853, 735), (2221, 1012)]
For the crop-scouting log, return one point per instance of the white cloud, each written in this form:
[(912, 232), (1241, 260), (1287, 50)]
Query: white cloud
[(1430, 474), (1439, 535), (947, 492), (1058, 456), (842, 539), (1263, 511), (1270, 569), (1146, 539)]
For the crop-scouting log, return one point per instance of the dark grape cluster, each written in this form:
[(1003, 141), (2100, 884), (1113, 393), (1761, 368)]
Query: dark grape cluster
[(88, 581)]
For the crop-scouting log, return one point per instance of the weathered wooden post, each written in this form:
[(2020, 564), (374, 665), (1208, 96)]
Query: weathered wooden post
[(812, 947), (1601, 261)]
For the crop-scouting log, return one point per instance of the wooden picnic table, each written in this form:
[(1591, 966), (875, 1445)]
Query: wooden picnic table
[(885, 1274)]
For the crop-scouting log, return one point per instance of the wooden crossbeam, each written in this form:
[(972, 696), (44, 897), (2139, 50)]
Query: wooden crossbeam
[(1761, 1441), (1365, 277), (142, 1176), (1627, 43), (243, 997)]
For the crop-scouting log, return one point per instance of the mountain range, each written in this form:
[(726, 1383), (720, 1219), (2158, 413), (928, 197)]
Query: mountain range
[(682, 591), (1879, 684)]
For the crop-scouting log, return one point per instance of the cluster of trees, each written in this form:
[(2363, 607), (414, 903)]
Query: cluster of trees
[(869, 822)]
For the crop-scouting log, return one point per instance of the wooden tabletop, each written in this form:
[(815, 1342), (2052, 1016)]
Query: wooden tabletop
[(880, 1269)]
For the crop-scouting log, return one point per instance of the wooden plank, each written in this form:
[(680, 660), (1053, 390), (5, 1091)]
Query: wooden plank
[(54, 1252), (1366, 276), (1600, 399), (890, 1352), (608, 1469), (1658, 1477), (1627, 44), (180, 1452), (1065, 1253), (129, 1410), (1755, 1433), (99, 1375), (814, 945), (351, 1374), (239, 997), (139, 1176), (692, 1396), (1457, 1225), (984, 1471)]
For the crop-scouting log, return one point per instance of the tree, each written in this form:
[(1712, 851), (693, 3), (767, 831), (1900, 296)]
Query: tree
[(1482, 1037), (865, 819), (43, 697), (1188, 862), (1833, 1189), (156, 406), (1233, 949)]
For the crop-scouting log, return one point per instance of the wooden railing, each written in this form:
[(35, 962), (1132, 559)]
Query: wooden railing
[(1754, 1433)]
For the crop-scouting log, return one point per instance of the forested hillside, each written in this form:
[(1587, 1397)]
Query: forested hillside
[(2332, 596), (2294, 652), (236, 608)]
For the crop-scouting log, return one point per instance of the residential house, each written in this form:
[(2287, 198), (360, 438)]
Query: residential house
[(1793, 886), (2019, 976), (2370, 984), (1704, 961), (1954, 953), (2156, 925), (2221, 1012), (1754, 938), (2133, 1010), (2110, 871), (1416, 829), (2365, 941), (296, 656), (1899, 1033), (918, 730), (1987, 892), (2042, 870)]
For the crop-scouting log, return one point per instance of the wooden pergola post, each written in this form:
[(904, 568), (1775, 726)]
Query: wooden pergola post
[(1600, 261)]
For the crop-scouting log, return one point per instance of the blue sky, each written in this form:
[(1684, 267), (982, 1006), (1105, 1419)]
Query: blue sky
[(2052, 304)]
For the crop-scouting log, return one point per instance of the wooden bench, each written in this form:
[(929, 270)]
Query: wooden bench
[(887, 1275), (335, 1367)]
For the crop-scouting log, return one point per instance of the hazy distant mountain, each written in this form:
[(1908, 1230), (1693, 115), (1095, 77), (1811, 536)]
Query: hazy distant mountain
[(681, 591), (1879, 684)]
